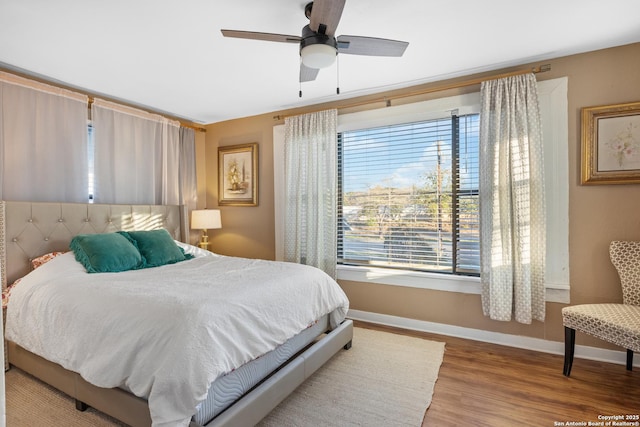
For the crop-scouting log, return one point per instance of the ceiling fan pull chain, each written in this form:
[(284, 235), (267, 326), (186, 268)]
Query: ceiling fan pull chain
[(338, 75)]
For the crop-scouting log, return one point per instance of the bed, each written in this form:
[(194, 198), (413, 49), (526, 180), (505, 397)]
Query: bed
[(241, 394)]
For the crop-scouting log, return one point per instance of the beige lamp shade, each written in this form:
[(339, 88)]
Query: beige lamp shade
[(205, 219)]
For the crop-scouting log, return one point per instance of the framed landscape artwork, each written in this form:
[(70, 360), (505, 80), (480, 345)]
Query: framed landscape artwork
[(238, 175), (611, 144)]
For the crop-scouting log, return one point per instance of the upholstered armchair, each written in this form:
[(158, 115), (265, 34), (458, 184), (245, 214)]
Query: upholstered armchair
[(616, 323)]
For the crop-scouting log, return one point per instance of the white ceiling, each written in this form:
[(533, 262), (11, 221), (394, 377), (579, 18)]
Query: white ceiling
[(170, 56)]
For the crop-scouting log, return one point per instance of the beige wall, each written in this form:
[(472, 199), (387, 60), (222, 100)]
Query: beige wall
[(598, 214), (246, 231)]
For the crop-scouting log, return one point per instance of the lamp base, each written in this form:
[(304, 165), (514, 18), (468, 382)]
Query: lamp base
[(204, 241)]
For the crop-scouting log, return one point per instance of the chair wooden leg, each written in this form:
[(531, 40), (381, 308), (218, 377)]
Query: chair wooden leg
[(569, 345), (629, 360)]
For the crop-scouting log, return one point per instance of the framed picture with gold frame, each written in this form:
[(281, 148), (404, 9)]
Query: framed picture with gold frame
[(611, 144), (238, 175)]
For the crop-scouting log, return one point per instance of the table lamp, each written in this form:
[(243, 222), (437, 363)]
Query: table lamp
[(205, 219)]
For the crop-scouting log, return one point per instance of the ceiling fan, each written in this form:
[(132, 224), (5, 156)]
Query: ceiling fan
[(318, 44)]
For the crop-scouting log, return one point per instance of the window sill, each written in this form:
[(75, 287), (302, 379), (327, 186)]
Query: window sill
[(411, 279), (433, 281)]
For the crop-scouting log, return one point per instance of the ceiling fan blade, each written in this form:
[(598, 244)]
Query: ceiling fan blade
[(270, 37), (371, 46), (307, 74), (325, 16)]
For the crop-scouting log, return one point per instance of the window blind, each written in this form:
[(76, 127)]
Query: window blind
[(408, 196)]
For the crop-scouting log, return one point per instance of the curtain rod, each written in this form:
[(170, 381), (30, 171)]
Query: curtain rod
[(183, 124), (38, 79), (387, 100)]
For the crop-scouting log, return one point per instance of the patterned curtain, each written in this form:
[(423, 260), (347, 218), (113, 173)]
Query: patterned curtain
[(310, 192), (512, 203)]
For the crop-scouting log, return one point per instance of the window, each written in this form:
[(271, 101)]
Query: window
[(408, 195), (554, 114)]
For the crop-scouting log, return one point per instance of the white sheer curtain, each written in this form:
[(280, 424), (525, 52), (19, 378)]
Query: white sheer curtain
[(137, 155), (512, 203), (188, 184), (43, 142), (310, 191)]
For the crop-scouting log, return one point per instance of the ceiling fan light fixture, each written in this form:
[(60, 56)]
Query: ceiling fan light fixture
[(318, 55)]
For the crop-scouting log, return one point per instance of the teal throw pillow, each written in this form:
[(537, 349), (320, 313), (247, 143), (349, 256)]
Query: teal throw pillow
[(157, 247), (106, 253)]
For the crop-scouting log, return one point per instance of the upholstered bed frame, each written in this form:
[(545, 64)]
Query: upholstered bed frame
[(28, 230)]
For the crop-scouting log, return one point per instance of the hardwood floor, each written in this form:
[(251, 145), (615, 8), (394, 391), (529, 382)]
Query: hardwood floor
[(483, 384)]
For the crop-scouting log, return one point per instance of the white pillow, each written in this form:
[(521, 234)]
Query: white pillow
[(194, 250)]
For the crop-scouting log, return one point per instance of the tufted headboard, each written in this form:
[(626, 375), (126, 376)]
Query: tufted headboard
[(30, 229)]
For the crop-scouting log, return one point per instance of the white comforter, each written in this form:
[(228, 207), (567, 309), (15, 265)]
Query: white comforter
[(166, 333)]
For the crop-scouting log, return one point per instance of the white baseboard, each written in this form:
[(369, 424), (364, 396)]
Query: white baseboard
[(529, 343)]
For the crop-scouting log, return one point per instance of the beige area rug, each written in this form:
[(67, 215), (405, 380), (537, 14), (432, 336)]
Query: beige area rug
[(383, 380)]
